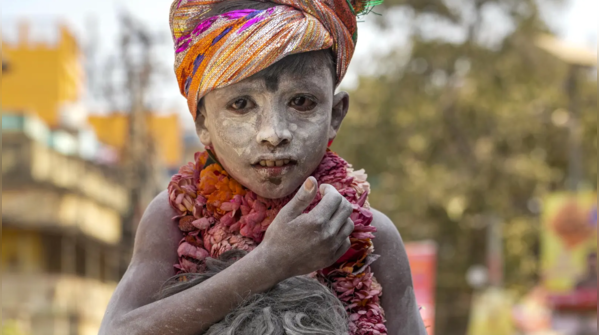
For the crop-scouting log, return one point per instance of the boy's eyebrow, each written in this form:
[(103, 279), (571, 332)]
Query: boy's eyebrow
[(247, 87), (307, 84), (257, 85), (273, 83)]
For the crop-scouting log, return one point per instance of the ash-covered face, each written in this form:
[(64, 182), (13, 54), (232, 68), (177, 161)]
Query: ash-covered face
[(271, 131)]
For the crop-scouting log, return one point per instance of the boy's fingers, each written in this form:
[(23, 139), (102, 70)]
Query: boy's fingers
[(343, 248), (326, 188), (301, 200), (329, 204), (340, 217), (347, 228)]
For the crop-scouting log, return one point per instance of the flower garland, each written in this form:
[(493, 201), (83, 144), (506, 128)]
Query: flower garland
[(217, 214)]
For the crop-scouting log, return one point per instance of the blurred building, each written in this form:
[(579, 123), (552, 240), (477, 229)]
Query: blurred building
[(192, 145), (68, 215), (61, 232), (165, 131), (5, 63), (45, 77)]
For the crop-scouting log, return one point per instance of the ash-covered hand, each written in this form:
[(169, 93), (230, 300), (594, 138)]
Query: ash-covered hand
[(298, 243)]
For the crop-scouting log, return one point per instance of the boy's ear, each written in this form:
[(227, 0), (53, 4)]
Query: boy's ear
[(340, 108), (201, 129)]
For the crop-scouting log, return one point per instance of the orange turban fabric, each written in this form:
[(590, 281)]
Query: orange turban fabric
[(218, 51)]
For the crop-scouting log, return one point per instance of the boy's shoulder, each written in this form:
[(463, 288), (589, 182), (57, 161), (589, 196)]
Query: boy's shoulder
[(157, 234), (159, 207), (383, 224), (390, 246), (387, 236)]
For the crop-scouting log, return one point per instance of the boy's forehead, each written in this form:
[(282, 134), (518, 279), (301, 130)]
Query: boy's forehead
[(272, 85), (305, 71), (274, 81), (317, 64), (311, 69), (309, 77)]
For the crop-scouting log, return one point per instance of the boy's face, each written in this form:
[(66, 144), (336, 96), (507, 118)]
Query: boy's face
[(271, 132)]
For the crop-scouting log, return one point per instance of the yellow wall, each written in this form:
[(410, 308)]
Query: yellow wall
[(111, 130), (169, 138), (165, 131), (21, 251), (42, 77)]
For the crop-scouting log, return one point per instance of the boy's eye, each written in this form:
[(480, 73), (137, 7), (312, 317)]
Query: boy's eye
[(240, 104), (302, 103)]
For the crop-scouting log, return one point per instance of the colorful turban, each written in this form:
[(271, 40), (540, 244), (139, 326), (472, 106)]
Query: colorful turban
[(212, 52)]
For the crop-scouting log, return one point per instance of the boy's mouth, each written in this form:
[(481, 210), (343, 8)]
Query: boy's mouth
[(274, 163), (274, 167)]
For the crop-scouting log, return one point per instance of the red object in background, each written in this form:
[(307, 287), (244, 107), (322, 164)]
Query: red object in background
[(579, 300), (423, 261)]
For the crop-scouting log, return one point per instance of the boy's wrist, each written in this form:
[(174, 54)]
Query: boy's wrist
[(270, 264)]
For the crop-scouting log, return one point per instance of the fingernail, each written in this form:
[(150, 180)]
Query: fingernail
[(322, 189), (309, 185)]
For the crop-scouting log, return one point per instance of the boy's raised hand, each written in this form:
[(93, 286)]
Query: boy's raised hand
[(302, 243)]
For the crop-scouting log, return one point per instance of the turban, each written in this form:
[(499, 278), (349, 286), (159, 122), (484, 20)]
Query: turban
[(212, 52)]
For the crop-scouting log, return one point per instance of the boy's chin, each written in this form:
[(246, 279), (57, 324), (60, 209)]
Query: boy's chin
[(275, 189)]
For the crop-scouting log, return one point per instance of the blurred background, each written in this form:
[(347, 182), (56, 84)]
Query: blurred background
[(476, 121)]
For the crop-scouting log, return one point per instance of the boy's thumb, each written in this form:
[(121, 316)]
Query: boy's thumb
[(302, 199)]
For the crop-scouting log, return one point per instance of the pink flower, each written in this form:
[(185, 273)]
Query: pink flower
[(218, 240), (361, 216), (199, 208), (214, 236), (359, 182), (188, 250), (228, 219), (256, 217), (187, 266), (182, 190), (363, 232), (203, 223), (333, 171), (357, 289), (365, 322), (229, 206), (236, 242)]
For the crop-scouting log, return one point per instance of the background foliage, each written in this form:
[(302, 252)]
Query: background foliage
[(456, 134)]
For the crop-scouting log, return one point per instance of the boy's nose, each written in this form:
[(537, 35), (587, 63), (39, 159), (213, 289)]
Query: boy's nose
[(274, 131)]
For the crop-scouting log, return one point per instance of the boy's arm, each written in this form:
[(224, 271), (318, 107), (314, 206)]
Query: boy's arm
[(294, 244), (392, 270), (133, 309)]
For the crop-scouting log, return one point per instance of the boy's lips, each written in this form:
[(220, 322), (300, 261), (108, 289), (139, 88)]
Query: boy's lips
[(270, 160), (270, 168)]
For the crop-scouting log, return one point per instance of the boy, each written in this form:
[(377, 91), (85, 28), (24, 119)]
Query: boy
[(260, 79)]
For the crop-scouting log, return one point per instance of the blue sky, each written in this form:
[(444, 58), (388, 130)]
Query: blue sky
[(576, 21)]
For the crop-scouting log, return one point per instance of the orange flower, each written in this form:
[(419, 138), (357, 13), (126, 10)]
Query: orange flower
[(217, 187)]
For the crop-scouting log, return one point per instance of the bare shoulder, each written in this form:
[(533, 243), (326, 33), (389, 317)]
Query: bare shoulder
[(392, 270), (389, 244), (157, 235), (385, 226), (155, 253)]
